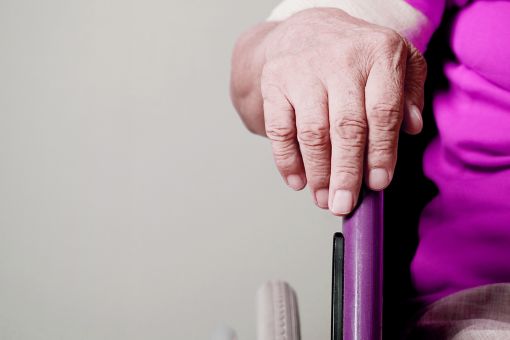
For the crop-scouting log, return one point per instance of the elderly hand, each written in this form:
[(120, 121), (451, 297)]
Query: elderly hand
[(335, 92)]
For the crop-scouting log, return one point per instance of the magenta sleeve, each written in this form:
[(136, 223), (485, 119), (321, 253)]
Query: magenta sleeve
[(432, 9)]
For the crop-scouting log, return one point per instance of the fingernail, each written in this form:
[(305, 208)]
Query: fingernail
[(416, 121), (295, 182), (321, 197), (378, 179), (342, 202), (416, 113)]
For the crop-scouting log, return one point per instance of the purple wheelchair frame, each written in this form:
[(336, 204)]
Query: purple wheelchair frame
[(356, 312)]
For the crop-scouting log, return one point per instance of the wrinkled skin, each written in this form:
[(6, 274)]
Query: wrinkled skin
[(331, 92)]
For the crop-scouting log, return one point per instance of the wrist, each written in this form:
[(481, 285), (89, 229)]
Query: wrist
[(395, 14)]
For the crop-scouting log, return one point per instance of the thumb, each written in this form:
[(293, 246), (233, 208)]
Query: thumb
[(416, 73)]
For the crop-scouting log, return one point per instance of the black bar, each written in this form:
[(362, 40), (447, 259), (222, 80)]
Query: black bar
[(337, 294)]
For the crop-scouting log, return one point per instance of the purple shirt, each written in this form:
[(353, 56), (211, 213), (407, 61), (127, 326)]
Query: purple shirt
[(465, 230)]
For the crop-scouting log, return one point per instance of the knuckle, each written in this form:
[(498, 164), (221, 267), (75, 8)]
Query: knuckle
[(318, 174), (271, 69), (391, 47), (389, 37), (385, 117), (350, 130), (347, 173), (280, 132), (352, 57), (381, 147), (285, 157), (311, 99), (318, 182), (314, 136), (272, 95)]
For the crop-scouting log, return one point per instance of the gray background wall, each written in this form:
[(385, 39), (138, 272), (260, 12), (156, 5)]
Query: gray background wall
[(133, 204)]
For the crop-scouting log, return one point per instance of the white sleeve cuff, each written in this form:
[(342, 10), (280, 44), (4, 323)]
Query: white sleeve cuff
[(394, 14)]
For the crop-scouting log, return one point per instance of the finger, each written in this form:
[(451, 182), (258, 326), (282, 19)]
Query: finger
[(413, 121), (312, 124), (384, 106), (348, 130), (416, 73), (280, 128)]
